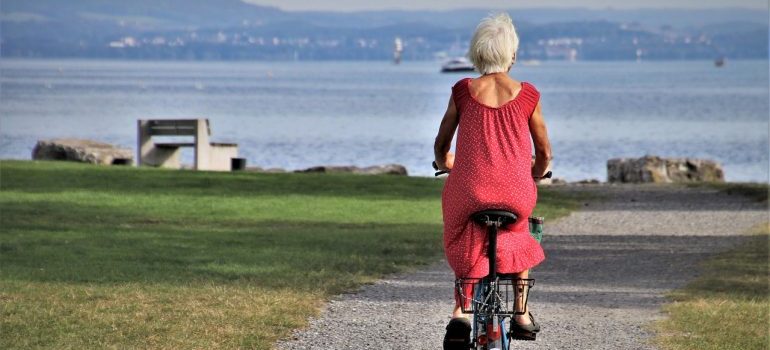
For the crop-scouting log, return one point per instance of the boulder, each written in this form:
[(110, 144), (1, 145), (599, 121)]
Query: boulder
[(257, 169), (84, 151), (588, 182), (557, 181), (327, 169), (663, 170), (388, 169)]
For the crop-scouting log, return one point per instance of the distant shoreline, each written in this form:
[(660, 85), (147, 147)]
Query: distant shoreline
[(275, 171)]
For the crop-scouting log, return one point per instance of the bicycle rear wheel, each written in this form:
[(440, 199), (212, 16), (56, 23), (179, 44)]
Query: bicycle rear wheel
[(486, 337), (489, 326)]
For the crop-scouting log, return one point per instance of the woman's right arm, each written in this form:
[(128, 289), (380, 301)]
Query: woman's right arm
[(542, 144), (446, 132)]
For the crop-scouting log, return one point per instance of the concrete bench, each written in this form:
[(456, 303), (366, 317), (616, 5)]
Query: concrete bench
[(208, 155)]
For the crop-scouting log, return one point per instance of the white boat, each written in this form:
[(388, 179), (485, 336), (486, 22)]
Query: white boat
[(398, 48), (458, 64)]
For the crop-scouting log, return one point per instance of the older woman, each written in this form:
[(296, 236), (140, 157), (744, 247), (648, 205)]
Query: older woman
[(497, 120)]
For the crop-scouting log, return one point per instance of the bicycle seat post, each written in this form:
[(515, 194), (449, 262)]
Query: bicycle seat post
[(492, 227), (493, 219)]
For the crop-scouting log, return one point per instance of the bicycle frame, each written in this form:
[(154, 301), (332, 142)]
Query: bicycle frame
[(488, 325)]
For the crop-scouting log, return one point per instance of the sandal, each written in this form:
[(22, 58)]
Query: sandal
[(458, 334), (524, 332)]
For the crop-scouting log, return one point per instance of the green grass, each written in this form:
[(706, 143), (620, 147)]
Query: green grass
[(757, 192), (727, 307), (102, 257)]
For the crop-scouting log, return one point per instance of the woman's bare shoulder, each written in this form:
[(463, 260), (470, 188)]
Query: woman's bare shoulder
[(462, 81)]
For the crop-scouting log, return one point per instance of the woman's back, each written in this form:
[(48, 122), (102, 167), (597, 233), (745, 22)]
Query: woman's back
[(491, 170), (494, 89), (493, 138)]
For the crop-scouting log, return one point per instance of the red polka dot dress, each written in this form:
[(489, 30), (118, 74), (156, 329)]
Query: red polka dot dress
[(492, 170)]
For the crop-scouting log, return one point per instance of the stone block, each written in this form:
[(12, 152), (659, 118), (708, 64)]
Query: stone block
[(653, 169), (84, 151)]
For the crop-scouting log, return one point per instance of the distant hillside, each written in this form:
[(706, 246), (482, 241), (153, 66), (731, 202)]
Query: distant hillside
[(143, 14), (232, 29), (468, 18)]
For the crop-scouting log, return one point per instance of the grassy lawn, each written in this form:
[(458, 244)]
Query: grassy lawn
[(755, 191), (727, 307), (102, 257)]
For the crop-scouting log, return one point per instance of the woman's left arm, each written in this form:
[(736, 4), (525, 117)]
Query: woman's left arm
[(446, 132), (542, 145)]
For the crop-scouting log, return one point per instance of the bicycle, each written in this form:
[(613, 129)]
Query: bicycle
[(496, 298)]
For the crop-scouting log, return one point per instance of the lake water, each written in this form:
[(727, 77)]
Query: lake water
[(299, 114)]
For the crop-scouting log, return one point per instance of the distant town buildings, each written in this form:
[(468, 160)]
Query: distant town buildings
[(237, 30), (622, 41)]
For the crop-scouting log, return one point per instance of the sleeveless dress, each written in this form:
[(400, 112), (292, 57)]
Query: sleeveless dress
[(492, 170)]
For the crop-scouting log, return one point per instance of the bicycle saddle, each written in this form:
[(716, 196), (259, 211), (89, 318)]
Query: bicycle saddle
[(494, 215)]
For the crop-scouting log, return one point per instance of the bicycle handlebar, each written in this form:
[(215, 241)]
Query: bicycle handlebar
[(438, 172), (547, 175)]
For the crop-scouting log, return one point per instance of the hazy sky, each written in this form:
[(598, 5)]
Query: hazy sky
[(354, 5)]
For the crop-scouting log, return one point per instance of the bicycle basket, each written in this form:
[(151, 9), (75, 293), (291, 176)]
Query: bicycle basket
[(477, 295)]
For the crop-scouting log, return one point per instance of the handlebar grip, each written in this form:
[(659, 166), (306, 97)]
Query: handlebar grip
[(438, 172)]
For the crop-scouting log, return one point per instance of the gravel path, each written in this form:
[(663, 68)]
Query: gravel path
[(607, 269)]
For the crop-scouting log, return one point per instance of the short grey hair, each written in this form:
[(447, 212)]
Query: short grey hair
[(494, 44)]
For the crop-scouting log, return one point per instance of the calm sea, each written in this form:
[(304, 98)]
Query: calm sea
[(300, 114)]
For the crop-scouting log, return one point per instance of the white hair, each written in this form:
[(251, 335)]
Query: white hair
[(494, 44)]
